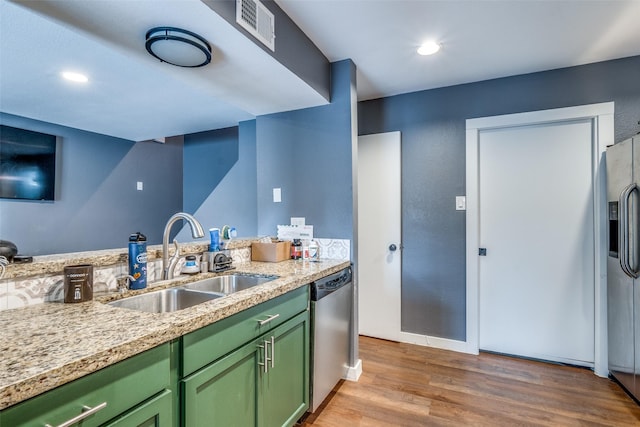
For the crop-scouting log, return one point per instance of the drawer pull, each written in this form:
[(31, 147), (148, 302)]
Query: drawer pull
[(87, 412), (268, 319)]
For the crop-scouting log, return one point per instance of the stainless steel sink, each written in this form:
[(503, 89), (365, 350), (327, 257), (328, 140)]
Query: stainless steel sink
[(165, 301), (229, 284)]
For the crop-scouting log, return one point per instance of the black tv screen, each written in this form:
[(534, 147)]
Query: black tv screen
[(27, 164)]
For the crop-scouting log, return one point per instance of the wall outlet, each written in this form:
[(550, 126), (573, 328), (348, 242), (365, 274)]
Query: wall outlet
[(277, 195), (139, 186)]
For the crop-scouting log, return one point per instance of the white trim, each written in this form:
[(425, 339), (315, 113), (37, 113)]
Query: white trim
[(590, 111), (435, 342), (352, 373), (473, 228), (602, 117), (604, 129)]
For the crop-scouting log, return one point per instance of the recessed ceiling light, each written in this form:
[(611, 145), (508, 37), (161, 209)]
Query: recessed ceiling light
[(75, 77), (428, 48)]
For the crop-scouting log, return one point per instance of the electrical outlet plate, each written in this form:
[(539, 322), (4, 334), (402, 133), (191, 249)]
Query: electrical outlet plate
[(299, 221), (461, 203)]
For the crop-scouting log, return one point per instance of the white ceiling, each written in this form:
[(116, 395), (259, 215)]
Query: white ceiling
[(131, 94), (134, 96), (480, 39)]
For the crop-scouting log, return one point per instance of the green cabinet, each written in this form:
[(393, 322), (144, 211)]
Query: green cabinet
[(155, 412), (284, 385), (263, 383), (224, 393), (208, 344), (98, 398), (250, 369)]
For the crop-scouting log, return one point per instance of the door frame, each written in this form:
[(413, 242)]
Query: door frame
[(601, 116)]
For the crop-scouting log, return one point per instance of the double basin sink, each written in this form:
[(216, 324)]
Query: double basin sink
[(190, 294)]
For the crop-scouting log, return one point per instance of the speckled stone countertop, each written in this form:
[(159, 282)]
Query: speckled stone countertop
[(47, 345)]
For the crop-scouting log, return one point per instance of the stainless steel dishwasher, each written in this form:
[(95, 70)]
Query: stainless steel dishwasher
[(331, 304)]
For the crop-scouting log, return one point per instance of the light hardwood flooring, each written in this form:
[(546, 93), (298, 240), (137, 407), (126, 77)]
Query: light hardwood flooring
[(408, 385)]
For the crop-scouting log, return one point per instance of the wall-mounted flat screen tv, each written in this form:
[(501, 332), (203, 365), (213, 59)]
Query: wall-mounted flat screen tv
[(27, 164)]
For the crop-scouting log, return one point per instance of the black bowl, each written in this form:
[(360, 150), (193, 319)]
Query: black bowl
[(8, 249)]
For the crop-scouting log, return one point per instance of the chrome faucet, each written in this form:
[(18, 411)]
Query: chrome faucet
[(196, 231)]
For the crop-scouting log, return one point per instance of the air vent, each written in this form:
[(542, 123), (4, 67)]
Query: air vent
[(254, 17)]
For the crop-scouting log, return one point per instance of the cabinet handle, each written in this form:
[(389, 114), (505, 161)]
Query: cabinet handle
[(266, 353), (268, 319), (88, 411), (265, 365), (273, 351)]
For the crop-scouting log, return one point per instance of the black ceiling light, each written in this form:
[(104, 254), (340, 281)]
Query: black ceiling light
[(179, 47)]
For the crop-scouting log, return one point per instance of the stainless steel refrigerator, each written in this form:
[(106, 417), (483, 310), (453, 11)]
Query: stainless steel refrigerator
[(623, 263)]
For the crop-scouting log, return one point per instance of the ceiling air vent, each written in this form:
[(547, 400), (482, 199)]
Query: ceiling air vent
[(254, 17)]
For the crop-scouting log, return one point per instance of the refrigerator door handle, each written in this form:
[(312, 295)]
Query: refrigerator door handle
[(633, 239), (624, 249)]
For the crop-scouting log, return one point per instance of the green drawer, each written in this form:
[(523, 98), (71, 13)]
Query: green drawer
[(156, 412), (207, 344), (121, 386)]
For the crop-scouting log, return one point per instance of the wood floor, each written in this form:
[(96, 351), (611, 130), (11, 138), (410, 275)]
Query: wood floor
[(407, 385)]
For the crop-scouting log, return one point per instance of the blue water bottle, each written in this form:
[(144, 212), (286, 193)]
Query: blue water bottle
[(138, 261), (214, 246)]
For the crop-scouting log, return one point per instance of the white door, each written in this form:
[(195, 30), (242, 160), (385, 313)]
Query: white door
[(536, 210), (379, 233)]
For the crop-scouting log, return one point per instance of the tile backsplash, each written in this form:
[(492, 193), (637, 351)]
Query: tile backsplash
[(21, 292), (334, 248)]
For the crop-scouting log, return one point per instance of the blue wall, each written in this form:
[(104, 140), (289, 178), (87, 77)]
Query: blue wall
[(307, 153), (97, 205), (432, 124), (220, 178)]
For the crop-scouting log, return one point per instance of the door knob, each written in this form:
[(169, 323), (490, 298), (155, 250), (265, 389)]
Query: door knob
[(392, 247)]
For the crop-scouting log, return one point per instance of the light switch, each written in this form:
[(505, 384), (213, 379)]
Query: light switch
[(139, 186), (461, 203), (277, 195)]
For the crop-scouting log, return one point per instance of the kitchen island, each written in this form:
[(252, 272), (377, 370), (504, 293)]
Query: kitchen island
[(47, 345)]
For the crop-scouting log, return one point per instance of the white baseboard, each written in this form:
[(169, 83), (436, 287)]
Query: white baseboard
[(436, 342), (353, 372)]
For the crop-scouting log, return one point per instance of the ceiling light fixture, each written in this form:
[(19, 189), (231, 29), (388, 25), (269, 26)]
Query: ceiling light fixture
[(179, 47), (75, 77), (428, 48)]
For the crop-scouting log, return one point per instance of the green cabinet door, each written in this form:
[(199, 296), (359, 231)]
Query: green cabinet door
[(237, 390), (156, 412), (224, 393), (284, 388)]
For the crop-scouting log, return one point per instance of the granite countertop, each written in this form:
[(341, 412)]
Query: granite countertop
[(50, 344)]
